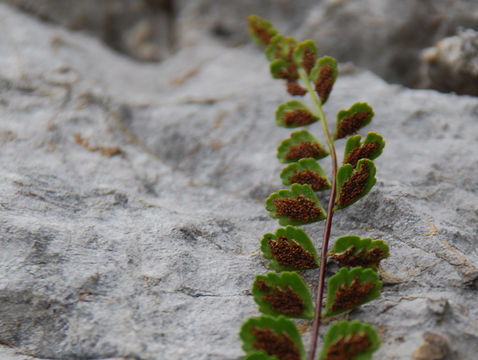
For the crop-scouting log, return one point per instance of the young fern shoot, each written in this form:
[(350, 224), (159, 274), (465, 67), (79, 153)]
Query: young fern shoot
[(283, 296)]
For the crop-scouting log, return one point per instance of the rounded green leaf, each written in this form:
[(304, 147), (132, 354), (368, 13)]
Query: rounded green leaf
[(279, 69), (285, 294), (272, 51), (353, 184), (289, 249), (349, 289), (277, 331), (305, 54), (295, 89), (293, 114), (281, 47), (297, 206), (351, 250), (260, 355), (351, 340), (261, 30), (323, 76), (300, 145), (306, 171), (352, 120), (370, 148)]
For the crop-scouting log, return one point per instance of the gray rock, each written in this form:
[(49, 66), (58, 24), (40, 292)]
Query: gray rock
[(227, 21), (434, 348), (131, 200), (141, 29), (452, 64), (385, 36)]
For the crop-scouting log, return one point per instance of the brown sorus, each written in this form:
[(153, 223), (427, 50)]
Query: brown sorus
[(324, 83), (262, 285), (353, 186), (290, 73), (363, 257), (261, 32), (315, 181), (291, 68), (283, 74), (289, 253), (298, 117), (350, 296), (285, 301), (351, 124), (308, 60), (347, 348), (300, 208), (304, 149), (295, 89), (280, 346), (364, 151)]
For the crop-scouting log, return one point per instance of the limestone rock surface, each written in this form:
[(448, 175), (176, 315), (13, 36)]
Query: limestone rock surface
[(132, 201), (142, 29), (384, 36), (452, 64)]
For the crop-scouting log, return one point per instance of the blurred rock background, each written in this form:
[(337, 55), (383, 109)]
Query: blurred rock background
[(401, 41)]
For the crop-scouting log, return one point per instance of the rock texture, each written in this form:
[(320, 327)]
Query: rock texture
[(385, 36), (132, 201), (142, 29), (452, 64)]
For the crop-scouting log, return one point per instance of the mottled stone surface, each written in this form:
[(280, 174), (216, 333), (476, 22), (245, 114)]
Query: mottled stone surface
[(384, 36), (142, 29), (149, 251), (452, 64)]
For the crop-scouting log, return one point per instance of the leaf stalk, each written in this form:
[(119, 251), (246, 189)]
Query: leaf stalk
[(330, 213)]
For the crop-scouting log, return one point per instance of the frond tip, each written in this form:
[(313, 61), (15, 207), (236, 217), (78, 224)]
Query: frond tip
[(261, 30)]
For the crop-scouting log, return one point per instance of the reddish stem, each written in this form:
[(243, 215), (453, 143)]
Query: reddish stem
[(323, 261), (330, 212)]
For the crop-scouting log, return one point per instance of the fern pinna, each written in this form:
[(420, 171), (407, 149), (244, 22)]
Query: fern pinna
[(282, 295)]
